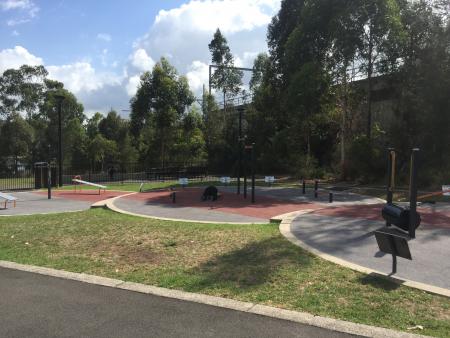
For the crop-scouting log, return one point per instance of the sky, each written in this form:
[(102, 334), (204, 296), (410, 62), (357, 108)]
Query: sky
[(98, 49)]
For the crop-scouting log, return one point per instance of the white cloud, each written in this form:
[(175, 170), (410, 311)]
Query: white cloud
[(16, 57), (198, 75), (104, 37), (28, 7), (141, 60), (8, 5), (230, 15), (81, 76), (132, 85), (15, 33)]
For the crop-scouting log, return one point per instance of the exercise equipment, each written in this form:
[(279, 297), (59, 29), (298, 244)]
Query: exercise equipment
[(8, 198), (78, 182), (406, 219)]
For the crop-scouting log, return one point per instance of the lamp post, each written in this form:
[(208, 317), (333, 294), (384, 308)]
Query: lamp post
[(241, 111), (59, 99)]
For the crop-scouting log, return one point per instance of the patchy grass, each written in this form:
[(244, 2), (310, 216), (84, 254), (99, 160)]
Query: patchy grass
[(245, 262)]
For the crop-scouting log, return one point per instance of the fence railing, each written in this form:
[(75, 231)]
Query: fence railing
[(19, 177), (29, 177)]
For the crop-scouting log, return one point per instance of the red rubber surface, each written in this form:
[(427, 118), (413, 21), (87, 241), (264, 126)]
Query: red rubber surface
[(264, 207)]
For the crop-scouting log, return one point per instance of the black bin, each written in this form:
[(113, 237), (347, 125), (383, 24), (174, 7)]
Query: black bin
[(399, 216)]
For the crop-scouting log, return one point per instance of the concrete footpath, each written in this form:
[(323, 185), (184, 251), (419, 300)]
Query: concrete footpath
[(353, 240), (34, 305)]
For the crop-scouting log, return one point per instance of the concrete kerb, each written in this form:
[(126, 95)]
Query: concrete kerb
[(285, 230), (294, 316), (109, 204)]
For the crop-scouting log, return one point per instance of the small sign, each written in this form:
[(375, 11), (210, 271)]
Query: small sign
[(269, 179), (183, 181), (446, 190), (225, 180)]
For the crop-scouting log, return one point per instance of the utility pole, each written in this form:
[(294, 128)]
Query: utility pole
[(59, 100)]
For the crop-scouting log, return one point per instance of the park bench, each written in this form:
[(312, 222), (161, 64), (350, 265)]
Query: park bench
[(8, 198), (79, 182)]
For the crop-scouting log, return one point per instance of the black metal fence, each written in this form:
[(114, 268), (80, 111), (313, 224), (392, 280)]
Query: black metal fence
[(23, 177), (16, 177)]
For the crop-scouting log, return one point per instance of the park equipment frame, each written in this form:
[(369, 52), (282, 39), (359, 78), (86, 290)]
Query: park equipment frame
[(391, 240)]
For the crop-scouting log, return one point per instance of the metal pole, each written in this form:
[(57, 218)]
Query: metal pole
[(245, 172), (241, 110), (394, 254), (316, 188), (60, 99), (303, 187), (253, 171), (49, 181), (391, 155), (389, 193), (413, 194)]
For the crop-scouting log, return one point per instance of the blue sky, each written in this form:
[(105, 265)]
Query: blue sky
[(99, 48)]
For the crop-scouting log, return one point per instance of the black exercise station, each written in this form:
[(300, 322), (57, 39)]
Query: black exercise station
[(406, 219)]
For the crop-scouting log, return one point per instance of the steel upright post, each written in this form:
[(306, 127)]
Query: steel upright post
[(413, 193)]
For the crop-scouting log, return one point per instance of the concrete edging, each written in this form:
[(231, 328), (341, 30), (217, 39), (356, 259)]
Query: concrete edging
[(285, 230), (294, 316)]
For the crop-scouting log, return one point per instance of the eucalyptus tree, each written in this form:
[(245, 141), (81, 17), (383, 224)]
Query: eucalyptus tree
[(225, 78), (162, 98), (22, 90), (381, 34)]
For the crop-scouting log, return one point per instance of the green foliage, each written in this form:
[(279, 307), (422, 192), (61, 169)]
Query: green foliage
[(158, 110), (16, 137), (225, 78), (366, 159)]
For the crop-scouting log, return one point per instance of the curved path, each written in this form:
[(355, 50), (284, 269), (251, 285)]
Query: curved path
[(230, 208), (36, 202), (347, 233)]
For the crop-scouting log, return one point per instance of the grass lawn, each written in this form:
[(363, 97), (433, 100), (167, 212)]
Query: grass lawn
[(245, 262)]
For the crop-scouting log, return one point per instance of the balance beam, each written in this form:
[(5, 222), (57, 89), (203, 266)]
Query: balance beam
[(80, 182)]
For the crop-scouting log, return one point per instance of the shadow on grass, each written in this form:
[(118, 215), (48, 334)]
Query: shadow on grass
[(249, 266), (380, 282)]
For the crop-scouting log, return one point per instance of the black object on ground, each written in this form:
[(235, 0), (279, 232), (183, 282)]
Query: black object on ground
[(210, 193)]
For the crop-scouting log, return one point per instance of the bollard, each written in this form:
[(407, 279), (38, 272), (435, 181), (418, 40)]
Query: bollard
[(303, 187), (330, 197), (174, 196), (316, 188)]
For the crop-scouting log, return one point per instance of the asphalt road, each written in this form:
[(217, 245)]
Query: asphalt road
[(33, 305)]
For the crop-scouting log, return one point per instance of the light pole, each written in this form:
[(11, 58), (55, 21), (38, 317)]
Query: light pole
[(241, 111), (59, 99)]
